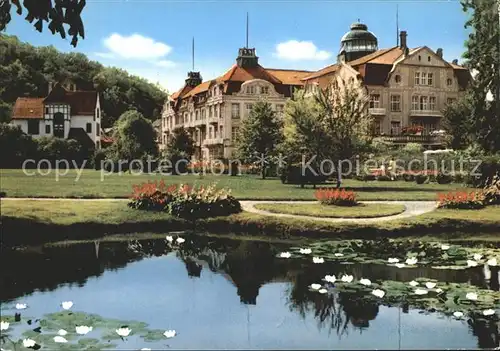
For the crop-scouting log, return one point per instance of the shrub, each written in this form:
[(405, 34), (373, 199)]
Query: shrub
[(492, 191), (421, 178), (338, 197), (408, 177), (461, 200), (292, 174), (413, 148), (443, 178), (369, 177), (384, 178)]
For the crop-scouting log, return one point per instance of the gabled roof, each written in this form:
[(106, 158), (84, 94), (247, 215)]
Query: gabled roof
[(384, 56), (289, 76), (200, 88), (240, 74), (28, 108), (323, 71), (81, 102)]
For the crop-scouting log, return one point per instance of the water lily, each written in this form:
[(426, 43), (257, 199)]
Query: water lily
[(180, 240), (471, 263), (315, 286), (477, 257), (393, 260), (83, 329), (471, 296), (330, 278), (400, 265), (413, 283), (169, 334), (170, 238), (338, 254), (430, 285), (21, 306), (67, 305), (411, 261), (378, 293), (458, 314), (347, 278), (318, 260), (488, 312), (305, 251), (4, 325), (439, 290), (123, 331), (145, 349), (285, 255), (29, 343), (62, 332), (445, 247), (421, 292), (60, 339), (365, 282), (492, 262), (322, 291)]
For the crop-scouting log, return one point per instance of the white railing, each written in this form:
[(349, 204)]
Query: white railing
[(432, 113), (380, 111)]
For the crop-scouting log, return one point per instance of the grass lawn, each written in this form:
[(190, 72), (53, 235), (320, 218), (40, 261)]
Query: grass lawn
[(319, 210), (16, 184)]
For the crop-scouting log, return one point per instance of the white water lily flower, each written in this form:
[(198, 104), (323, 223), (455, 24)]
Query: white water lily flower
[(29, 343), (123, 331), (445, 247), (21, 306), (145, 349), (458, 314), (318, 260), (330, 278), (83, 329), (338, 254), (60, 339), (492, 262), (471, 263), (62, 332), (347, 278), (180, 240), (67, 305), (413, 283), (393, 260), (315, 286), (285, 255), (400, 265), (430, 285), (439, 290), (421, 292), (365, 282), (477, 257), (488, 312), (471, 296), (4, 325), (378, 293), (170, 238), (411, 261), (322, 291), (169, 334), (305, 251)]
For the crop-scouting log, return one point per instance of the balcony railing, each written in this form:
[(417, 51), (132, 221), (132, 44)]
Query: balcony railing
[(421, 139), (377, 111), (213, 120), (426, 113), (213, 141)]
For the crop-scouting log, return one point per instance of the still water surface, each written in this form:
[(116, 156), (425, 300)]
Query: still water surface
[(230, 294)]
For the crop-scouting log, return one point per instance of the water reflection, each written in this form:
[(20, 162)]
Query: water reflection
[(247, 265)]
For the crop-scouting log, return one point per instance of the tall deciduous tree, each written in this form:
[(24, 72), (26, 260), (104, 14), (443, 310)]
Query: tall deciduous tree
[(458, 122), (483, 57), (260, 135), (180, 146)]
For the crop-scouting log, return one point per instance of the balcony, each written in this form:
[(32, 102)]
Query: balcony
[(421, 139), (377, 111), (199, 122), (213, 141), (426, 113), (213, 120)]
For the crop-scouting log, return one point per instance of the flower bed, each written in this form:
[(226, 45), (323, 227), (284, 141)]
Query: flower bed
[(184, 201), (461, 200), (338, 197)]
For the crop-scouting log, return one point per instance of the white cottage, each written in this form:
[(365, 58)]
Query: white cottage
[(65, 113)]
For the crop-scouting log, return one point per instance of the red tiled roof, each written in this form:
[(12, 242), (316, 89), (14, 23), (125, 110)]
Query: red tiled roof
[(322, 72), (25, 108), (377, 54), (288, 76), (239, 74), (200, 88), (82, 102)]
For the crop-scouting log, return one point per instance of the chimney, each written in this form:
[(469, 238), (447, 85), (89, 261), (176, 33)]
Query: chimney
[(439, 52), (402, 39), (455, 62)]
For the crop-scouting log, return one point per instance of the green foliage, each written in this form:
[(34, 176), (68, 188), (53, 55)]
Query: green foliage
[(414, 148), (421, 178), (19, 146), (54, 149), (457, 121), (26, 71), (180, 147)]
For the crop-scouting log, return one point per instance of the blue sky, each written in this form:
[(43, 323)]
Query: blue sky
[(152, 38)]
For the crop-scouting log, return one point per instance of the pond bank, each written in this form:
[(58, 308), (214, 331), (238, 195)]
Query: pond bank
[(43, 221)]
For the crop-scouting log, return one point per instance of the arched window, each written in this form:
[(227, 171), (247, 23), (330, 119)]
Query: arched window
[(397, 78)]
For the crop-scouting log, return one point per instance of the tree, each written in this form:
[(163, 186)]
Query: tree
[(180, 146), (57, 14), (483, 57), (19, 145), (260, 134), (134, 138), (458, 122)]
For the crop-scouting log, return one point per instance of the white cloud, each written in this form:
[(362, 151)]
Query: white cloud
[(136, 46), (300, 50), (165, 63)]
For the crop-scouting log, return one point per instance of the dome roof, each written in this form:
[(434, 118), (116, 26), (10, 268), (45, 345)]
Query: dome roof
[(359, 31)]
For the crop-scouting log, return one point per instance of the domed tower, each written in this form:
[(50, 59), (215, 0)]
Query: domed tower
[(356, 43)]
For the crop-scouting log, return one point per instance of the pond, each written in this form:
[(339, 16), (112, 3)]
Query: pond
[(221, 294)]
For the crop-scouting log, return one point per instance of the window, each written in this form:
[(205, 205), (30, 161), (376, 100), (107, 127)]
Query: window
[(377, 127), (419, 58), (98, 113), (432, 103), (428, 59), (423, 103), (265, 90), (395, 128), (59, 125), (414, 102), (423, 78), (98, 129), (221, 132), (429, 78), (450, 100), (249, 108), (374, 101), (197, 115), (234, 133), (235, 111), (417, 78), (395, 103), (47, 129), (397, 78), (251, 89), (449, 81), (89, 128), (47, 110), (34, 127)]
